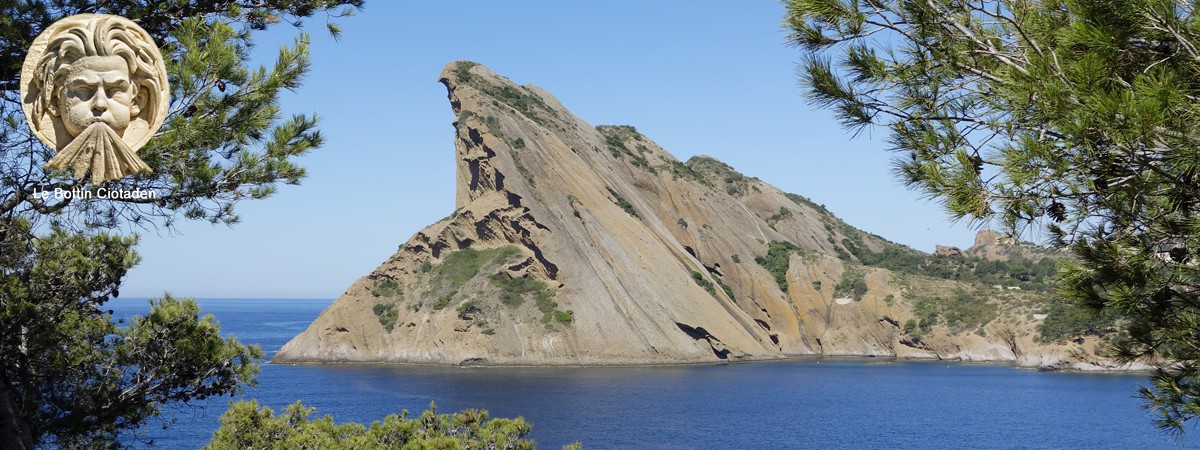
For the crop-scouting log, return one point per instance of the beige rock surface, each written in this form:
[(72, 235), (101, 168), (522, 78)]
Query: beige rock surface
[(593, 246)]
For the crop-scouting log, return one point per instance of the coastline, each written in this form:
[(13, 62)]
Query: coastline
[(1078, 367)]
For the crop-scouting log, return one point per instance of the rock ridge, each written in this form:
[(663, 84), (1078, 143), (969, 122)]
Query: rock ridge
[(579, 245)]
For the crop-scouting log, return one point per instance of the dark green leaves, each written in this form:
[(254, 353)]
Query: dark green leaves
[(1079, 117)]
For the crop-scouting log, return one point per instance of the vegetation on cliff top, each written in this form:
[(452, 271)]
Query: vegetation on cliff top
[(519, 98)]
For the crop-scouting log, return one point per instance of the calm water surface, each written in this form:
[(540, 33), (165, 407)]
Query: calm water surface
[(791, 404)]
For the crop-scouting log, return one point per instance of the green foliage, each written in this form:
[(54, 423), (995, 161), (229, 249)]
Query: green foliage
[(802, 200), (457, 268), (524, 171), (468, 307), (735, 183), (245, 425), (518, 98), (916, 330), (1066, 320), (962, 311), (777, 260), (852, 284), (615, 137), (615, 146), (574, 203), (620, 201), (513, 290), (444, 300), (679, 169), (387, 288), (1030, 273), (518, 144), (96, 380), (783, 213), (448, 217), (736, 259), (725, 287), (462, 71), (464, 115), (703, 282), (387, 315), (681, 222), (563, 316), (1076, 117), (72, 378), (461, 266), (493, 125)]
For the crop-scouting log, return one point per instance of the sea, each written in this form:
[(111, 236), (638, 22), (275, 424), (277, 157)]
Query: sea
[(807, 403)]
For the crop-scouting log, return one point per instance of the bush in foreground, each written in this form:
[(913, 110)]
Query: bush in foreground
[(246, 425)]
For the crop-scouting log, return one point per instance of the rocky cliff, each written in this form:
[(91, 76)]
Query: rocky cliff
[(581, 245)]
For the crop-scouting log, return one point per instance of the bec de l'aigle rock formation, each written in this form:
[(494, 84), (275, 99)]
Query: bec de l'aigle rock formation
[(578, 245)]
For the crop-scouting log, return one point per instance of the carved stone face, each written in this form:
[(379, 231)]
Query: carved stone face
[(97, 89), (94, 88)]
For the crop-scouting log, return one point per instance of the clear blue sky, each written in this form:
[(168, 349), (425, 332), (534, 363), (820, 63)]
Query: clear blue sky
[(698, 77)]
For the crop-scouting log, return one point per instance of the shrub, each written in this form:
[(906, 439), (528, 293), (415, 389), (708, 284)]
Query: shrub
[(573, 201), (493, 125), (524, 171), (564, 316), (513, 290), (462, 71), (550, 312), (614, 139), (852, 284), (802, 200), (444, 300), (681, 222), (245, 425), (386, 288), (620, 201), (725, 288), (777, 260), (387, 315), (680, 169), (459, 267), (1067, 320), (783, 213), (703, 282), (467, 311), (963, 311)]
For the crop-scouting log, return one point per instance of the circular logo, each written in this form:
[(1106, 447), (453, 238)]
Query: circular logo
[(94, 88)]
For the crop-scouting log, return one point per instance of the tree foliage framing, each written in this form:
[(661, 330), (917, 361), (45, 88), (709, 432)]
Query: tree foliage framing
[(1072, 118), (69, 376)]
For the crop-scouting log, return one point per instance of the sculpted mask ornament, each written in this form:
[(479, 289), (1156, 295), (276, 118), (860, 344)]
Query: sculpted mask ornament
[(94, 88)]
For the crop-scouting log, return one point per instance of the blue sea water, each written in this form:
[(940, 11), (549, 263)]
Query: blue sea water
[(808, 403)]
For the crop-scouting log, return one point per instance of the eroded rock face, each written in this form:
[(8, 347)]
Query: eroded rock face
[(582, 245)]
